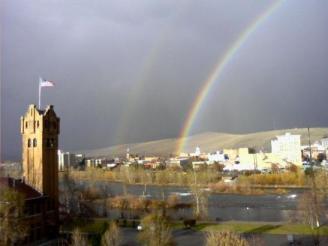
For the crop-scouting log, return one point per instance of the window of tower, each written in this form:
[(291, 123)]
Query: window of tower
[(37, 124), (48, 143), (46, 124), (54, 125), (34, 142), (26, 125), (29, 143)]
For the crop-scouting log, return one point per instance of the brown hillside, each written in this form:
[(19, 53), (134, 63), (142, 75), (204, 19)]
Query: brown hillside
[(208, 142)]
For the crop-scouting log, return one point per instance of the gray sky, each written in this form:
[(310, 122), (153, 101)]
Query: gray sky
[(128, 71)]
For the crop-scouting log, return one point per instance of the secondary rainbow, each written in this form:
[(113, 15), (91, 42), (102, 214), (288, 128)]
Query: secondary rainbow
[(142, 78), (217, 71)]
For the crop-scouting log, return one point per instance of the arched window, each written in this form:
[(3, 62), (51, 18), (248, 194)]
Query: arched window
[(26, 125), (29, 143), (34, 142), (37, 124)]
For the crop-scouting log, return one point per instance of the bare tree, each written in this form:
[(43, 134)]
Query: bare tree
[(112, 236), (70, 195), (162, 180), (311, 209), (311, 204), (200, 198), (156, 231), (12, 227), (225, 238), (78, 239), (105, 193)]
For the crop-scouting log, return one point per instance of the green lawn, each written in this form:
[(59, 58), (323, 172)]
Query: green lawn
[(91, 226), (263, 228), (99, 225)]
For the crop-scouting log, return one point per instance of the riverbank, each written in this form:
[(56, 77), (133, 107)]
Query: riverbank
[(218, 187)]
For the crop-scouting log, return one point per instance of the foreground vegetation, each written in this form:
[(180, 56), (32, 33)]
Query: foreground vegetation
[(309, 214)]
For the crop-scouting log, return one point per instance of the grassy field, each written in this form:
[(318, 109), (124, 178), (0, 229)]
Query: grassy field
[(255, 227), (99, 225)]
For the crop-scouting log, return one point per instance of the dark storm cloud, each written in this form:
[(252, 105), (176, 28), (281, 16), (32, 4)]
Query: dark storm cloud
[(96, 50)]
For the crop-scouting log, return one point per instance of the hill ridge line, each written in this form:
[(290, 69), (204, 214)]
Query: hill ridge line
[(207, 141)]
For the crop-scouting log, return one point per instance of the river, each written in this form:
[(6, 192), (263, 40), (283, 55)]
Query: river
[(221, 207)]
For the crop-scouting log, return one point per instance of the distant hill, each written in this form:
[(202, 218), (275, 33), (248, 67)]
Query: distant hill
[(208, 142)]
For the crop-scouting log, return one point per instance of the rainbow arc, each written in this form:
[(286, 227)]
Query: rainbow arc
[(217, 72)]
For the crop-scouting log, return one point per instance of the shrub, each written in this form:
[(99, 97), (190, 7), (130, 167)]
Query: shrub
[(172, 201), (112, 236), (225, 238), (156, 231)]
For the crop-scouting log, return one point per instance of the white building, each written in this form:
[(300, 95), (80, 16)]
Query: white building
[(324, 143), (65, 160), (197, 152), (216, 157), (288, 148)]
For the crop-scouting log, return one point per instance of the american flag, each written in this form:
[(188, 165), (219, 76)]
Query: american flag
[(46, 83)]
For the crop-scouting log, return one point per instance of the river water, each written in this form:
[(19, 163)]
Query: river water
[(221, 207)]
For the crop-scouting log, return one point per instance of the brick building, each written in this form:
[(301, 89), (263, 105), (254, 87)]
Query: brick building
[(39, 183)]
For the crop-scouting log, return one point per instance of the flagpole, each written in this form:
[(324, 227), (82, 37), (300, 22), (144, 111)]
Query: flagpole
[(40, 93)]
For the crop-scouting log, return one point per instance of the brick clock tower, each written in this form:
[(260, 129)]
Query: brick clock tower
[(40, 130)]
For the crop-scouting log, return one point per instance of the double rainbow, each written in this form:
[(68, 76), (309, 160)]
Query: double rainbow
[(216, 73)]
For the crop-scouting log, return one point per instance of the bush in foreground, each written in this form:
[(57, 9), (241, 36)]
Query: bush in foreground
[(225, 238), (112, 236), (155, 231)]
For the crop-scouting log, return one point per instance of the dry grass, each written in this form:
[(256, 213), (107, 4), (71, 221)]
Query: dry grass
[(286, 178), (221, 187), (132, 175), (140, 203)]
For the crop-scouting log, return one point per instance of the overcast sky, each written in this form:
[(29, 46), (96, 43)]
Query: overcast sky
[(128, 71)]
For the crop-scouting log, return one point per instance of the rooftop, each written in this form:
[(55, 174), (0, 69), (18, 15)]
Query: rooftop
[(21, 187)]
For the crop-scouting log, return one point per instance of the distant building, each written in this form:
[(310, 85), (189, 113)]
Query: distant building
[(79, 158), (218, 156), (288, 148), (127, 154), (66, 160), (97, 162), (316, 149), (151, 158), (197, 152), (198, 164), (177, 162), (324, 143), (246, 159)]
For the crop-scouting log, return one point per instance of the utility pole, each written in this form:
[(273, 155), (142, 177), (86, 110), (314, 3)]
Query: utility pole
[(309, 137), (314, 186)]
